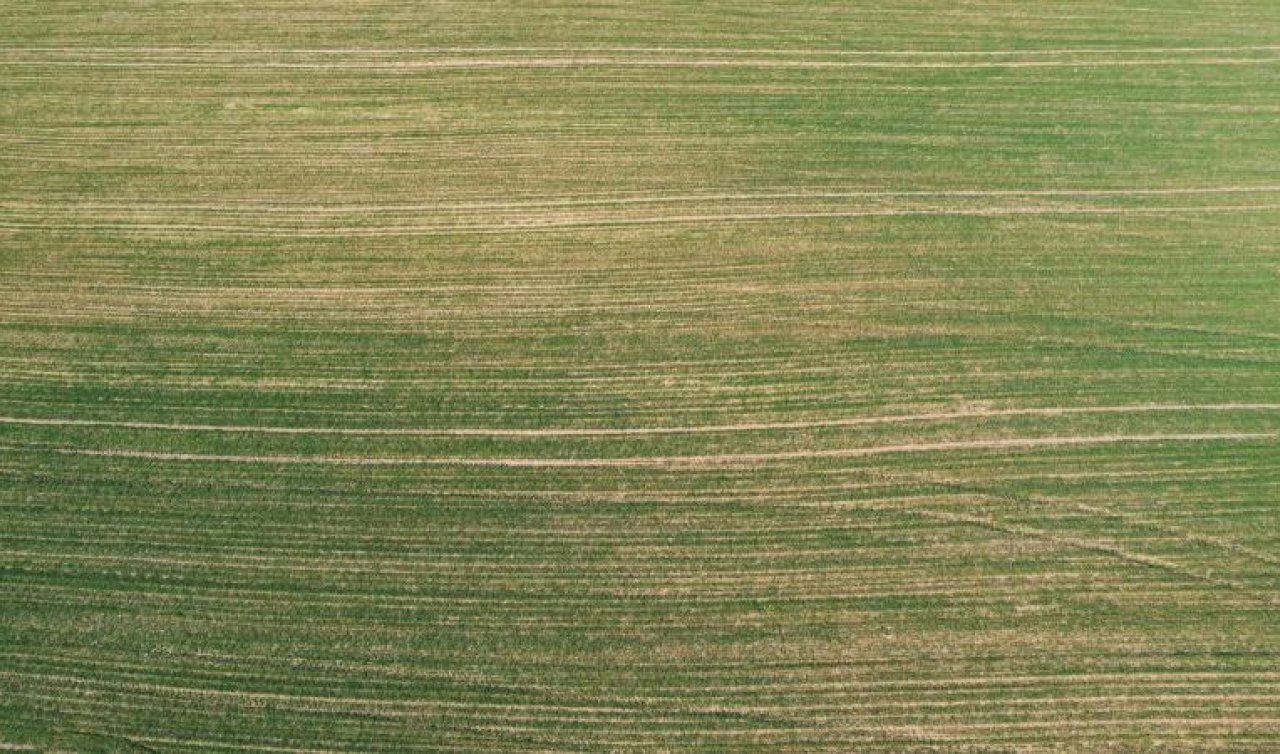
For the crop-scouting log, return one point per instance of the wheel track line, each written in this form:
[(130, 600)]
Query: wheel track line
[(632, 709), (1163, 692), (1251, 681), (622, 50), (500, 617), (615, 63), (1188, 679), (144, 229), (644, 431), (844, 697), (668, 462), (680, 582), (248, 207)]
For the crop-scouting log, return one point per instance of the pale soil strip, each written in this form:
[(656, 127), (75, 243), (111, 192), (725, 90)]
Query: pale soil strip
[(986, 680), (457, 275), (1205, 473), (679, 368), (202, 743), (669, 199), (508, 710), (666, 564), (1137, 723), (1192, 679), (642, 713), (636, 56), (722, 694), (500, 615), (661, 562), (657, 403), (889, 708), (328, 702), (651, 560), (615, 62), (1226, 681), (293, 538), (778, 688), (659, 461), (271, 300), (664, 591), (1258, 688), (605, 223), (411, 311), (679, 709), (636, 578), (816, 52), (531, 560), (643, 431)]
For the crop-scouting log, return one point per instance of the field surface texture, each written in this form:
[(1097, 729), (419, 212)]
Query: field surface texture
[(382, 376)]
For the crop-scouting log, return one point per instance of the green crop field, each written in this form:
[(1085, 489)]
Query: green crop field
[(389, 376)]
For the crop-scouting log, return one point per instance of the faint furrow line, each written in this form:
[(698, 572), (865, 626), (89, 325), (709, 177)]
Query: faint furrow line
[(641, 431), (1179, 533), (201, 50), (575, 62), (1120, 553), (259, 207), (365, 231), (691, 461)]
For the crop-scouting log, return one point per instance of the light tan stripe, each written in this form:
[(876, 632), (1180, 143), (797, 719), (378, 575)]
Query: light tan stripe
[(669, 199), (615, 62), (661, 461), (815, 52), (525, 226), (639, 431)]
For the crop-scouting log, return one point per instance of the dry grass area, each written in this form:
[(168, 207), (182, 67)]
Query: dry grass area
[(381, 376)]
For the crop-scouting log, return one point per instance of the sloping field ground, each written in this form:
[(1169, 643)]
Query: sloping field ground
[(829, 376)]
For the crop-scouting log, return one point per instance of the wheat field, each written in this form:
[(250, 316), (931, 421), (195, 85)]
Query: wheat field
[(380, 376)]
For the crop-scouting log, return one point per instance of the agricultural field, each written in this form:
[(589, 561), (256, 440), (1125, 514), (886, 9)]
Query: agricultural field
[(387, 376)]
